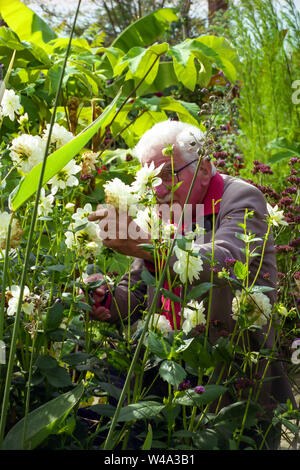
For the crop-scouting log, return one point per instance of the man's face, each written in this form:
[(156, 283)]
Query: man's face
[(185, 176)]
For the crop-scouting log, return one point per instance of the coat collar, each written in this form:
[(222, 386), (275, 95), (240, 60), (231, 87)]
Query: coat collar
[(214, 192)]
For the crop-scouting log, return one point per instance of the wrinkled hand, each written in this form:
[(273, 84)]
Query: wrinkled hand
[(120, 233), (99, 312)]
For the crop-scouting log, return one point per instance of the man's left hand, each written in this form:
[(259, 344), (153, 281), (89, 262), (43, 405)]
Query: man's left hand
[(119, 232)]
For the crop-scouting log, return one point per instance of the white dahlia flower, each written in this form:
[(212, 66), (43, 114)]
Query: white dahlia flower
[(145, 177), (65, 177), (26, 151), (193, 314), (188, 266), (120, 195), (10, 104), (27, 300), (256, 306), (45, 205), (276, 217), (16, 232), (59, 135)]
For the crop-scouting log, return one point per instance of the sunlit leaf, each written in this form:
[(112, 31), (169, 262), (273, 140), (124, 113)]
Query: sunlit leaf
[(42, 421), (27, 24)]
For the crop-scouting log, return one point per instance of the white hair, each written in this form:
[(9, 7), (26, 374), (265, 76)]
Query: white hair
[(184, 137)]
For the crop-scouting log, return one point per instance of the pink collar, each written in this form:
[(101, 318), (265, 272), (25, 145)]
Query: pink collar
[(214, 192)]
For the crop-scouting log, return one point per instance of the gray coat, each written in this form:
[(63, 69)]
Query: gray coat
[(237, 196)]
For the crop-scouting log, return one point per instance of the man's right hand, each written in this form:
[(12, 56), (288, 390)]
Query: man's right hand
[(99, 312)]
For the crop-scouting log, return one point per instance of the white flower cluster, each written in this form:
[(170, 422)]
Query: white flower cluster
[(148, 220), (157, 322), (27, 151), (45, 205), (146, 176), (28, 300), (65, 177), (276, 217), (193, 314), (120, 195), (59, 136), (188, 266), (10, 104), (83, 235), (256, 306), (16, 232), (124, 196)]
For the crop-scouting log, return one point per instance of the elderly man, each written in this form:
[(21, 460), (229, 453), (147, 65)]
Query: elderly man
[(229, 198)]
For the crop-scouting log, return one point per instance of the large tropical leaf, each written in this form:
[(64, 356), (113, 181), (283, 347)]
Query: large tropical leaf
[(27, 24), (42, 421), (59, 159), (282, 149), (141, 33), (146, 30), (216, 50), (28, 55)]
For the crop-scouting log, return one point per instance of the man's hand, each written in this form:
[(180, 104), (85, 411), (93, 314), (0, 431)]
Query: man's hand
[(120, 233), (99, 313)]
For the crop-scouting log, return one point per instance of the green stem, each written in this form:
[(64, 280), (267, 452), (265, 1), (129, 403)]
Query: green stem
[(28, 393), (4, 276)]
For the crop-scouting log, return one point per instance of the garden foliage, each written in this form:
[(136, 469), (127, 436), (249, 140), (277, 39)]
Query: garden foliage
[(73, 383)]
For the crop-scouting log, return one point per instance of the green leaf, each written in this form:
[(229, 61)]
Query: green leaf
[(191, 398), (58, 377), (46, 363), (59, 159), (261, 289), (199, 290), (141, 410), (42, 421), (240, 270), (28, 55), (236, 411), (73, 359), (25, 23), (184, 65), (148, 441), (170, 295), (182, 109), (7, 75), (103, 410), (158, 346), (281, 149), (54, 316), (172, 372), (146, 30), (147, 277), (196, 355), (111, 389)]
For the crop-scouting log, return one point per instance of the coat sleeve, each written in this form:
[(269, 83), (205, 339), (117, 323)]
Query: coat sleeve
[(121, 303), (239, 197)]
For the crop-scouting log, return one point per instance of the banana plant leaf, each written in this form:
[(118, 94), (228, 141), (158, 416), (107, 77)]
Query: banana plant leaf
[(25, 23)]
